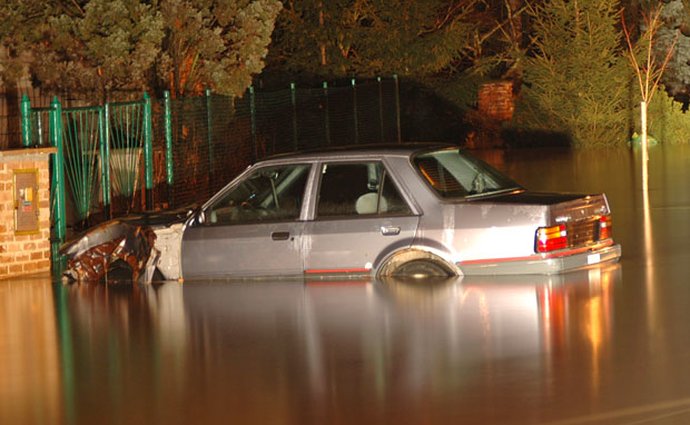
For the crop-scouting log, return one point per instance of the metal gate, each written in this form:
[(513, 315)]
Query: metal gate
[(107, 146)]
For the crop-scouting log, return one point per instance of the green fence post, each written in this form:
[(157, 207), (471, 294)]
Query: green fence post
[(148, 152), (78, 138), (397, 106), (252, 110), (209, 139), (293, 99), (327, 118), (26, 121), (354, 110), (167, 117), (39, 130), (58, 183), (104, 148)]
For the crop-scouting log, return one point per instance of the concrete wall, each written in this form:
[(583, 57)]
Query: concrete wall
[(24, 249)]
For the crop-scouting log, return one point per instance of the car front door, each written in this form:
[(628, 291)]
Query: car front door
[(251, 229), (359, 217)]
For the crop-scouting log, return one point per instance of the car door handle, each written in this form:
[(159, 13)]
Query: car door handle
[(280, 236), (390, 230)]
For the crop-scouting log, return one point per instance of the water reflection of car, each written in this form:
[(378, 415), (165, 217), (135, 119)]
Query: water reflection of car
[(407, 209), (460, 335)]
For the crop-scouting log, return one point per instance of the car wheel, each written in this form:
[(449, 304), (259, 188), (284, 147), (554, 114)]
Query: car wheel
[(421, 269), (416, 264)]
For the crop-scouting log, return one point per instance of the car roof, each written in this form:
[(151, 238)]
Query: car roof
[(396, 149)]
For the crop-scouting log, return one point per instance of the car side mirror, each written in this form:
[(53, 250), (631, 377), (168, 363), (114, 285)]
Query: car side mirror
[(196, 216)]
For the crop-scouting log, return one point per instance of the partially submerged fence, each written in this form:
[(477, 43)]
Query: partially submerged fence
[(147, 154)]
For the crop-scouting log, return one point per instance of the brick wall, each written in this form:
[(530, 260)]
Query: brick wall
[(495, 106), (24, 252), (495, 100)]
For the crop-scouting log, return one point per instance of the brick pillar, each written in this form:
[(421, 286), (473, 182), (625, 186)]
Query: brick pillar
[(495, 100), (24, 212)]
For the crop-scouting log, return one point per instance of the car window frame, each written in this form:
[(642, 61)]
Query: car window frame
[(389, 177), (246, 174)]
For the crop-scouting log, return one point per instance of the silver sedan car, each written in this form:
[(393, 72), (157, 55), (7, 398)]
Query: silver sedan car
[(398, 210)]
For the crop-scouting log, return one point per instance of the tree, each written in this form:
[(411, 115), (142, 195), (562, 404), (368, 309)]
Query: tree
[(16, 18), (576, 80), (216, 44), (103, 46), (339, 38), (443, 49), (648, 68), (675, 18)]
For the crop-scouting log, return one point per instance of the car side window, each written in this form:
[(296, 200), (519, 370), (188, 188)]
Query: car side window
[(358, 189), (267, 194)]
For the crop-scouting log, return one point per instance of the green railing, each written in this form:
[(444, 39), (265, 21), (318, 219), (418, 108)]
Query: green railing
[(81, 139), (127, 144), (96, 146)]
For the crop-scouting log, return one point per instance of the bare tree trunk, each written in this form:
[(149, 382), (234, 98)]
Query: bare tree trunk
[(645, 153), (643, 131)]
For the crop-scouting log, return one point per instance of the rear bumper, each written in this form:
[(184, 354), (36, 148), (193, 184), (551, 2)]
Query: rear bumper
[(543, 264)]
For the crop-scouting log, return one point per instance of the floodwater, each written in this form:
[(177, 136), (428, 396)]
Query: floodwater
[(608, 345)]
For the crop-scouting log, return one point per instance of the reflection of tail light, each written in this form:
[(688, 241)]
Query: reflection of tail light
[(604, 227), (551, 238)]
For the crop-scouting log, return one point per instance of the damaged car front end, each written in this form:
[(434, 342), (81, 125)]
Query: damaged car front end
[(140, 248)]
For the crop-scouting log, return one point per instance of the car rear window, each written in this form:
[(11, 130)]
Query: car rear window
[(453, 174)]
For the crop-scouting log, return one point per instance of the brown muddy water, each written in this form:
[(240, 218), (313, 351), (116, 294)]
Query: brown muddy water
[(603, 346)]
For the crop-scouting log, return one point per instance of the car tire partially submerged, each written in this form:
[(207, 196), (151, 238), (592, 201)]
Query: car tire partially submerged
[(416, 264)]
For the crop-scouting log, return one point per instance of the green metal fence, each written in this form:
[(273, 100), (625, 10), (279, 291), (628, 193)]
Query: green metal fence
[(128, 156), (103, 148), (205, 141), (93, 144)]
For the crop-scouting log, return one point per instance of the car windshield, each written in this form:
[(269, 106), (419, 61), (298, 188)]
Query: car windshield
[(453, 174)]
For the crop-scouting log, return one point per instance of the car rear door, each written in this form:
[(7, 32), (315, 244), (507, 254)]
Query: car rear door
[(360, 216), (251, 229)]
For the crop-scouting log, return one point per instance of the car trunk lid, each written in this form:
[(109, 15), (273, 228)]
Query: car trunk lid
[(563, 208), (579, 219)]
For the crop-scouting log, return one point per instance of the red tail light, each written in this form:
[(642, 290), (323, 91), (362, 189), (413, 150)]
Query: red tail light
[(604, 227), (551, 238)]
